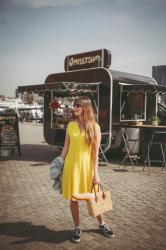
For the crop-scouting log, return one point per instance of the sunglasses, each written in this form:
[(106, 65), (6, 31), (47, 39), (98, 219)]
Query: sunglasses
[(76, 105)]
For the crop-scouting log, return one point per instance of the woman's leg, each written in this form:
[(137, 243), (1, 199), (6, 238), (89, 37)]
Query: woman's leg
[(100, 219), (74, 207), (104, 229)]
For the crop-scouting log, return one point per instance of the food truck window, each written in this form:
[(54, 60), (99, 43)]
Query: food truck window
[(61, 111), (132, 106), (151, 106), (61, 101), (104, 108)]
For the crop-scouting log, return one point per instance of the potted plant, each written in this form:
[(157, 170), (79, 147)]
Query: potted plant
[(155, 120)]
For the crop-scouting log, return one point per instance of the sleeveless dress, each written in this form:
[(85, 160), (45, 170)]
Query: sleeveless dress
[(78, 167)]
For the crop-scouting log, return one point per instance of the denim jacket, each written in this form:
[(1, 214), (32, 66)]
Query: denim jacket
[(55, 173)]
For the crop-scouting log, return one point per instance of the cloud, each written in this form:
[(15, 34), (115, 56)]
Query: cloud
[(48, 3)]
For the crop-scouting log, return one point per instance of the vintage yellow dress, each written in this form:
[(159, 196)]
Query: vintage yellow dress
[(78, 167)]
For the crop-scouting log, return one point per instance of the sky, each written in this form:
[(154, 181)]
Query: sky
[(37, 35)]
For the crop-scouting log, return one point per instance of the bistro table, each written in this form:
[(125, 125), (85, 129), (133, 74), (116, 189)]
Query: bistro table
[(147, 133), (158, 138)]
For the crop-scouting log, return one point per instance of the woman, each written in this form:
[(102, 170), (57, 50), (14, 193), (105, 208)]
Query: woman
[(80, 153)]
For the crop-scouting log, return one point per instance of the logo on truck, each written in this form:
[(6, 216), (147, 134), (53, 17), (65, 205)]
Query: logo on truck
[(91, 59), (80, 61)]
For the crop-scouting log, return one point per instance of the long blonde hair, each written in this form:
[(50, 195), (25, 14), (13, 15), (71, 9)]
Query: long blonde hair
[(88, 118)]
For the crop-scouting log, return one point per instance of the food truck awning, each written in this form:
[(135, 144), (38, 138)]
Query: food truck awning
[(156, 89), (31, 88), (72, 88), (124, 77), (62, 88)]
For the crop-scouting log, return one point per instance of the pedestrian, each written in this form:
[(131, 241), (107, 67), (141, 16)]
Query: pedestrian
[(80, 153)]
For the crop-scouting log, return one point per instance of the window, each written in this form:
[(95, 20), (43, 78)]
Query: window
[(61, 111), (132, 105)]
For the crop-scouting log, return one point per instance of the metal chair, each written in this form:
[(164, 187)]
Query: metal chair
[(157, 138), (104, 141), (129, 148), (102, 156)]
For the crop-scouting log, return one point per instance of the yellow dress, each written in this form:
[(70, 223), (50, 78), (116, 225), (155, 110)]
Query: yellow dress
[(78, 167)]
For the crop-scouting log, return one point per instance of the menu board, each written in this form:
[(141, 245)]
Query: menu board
[(9, 132)]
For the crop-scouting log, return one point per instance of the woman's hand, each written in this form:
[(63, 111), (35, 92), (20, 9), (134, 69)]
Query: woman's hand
[(96, 178)]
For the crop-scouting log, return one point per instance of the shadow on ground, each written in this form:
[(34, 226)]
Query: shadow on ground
[(30, 233), (34, 153), (36, 233)]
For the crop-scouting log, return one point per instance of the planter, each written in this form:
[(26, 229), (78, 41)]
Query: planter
[(155, 123)]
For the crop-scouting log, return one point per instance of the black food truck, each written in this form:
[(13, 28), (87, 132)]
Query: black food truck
[(119, 99)]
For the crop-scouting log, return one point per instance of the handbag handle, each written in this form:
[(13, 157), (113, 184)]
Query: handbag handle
[(99, 187)]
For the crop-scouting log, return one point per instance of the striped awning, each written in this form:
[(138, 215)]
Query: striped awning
[(61, 88), (148, 88)]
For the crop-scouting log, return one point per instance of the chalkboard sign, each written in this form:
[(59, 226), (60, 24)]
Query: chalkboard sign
[(9, 132)]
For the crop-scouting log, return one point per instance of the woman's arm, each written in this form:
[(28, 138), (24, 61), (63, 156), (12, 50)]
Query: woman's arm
[(95, 153), (66, 146)]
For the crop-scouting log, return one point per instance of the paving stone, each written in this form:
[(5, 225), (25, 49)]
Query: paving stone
[(33, 216)]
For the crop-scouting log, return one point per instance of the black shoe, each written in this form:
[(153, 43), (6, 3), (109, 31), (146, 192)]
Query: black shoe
[(106, 231), (76, 237)]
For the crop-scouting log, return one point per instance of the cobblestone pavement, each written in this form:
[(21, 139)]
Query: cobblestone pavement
[(33, 216)]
